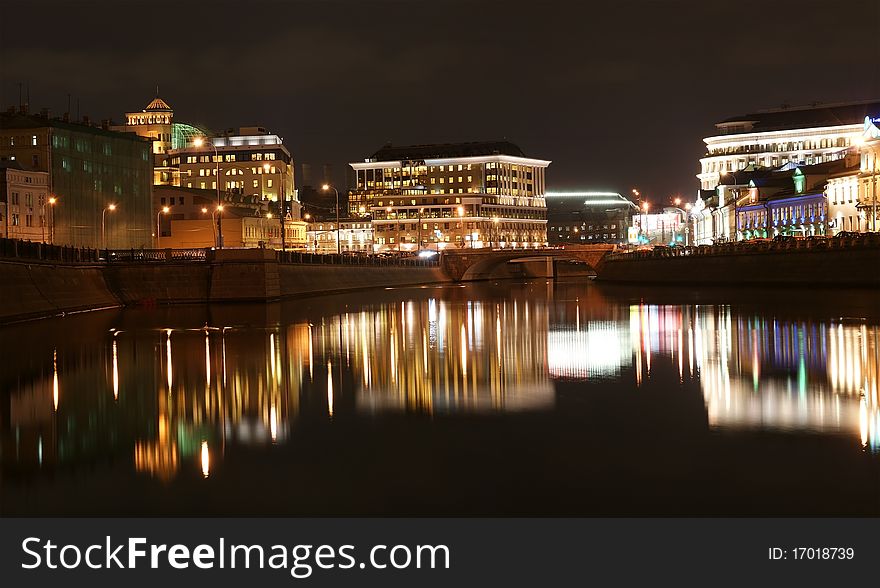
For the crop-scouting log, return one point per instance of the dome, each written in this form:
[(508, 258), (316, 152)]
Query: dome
[(157, 104)]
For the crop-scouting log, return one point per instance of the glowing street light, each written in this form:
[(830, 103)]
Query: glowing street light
[(165, 210), (198, 142), (111, 208), (326, 187), (52, 201)]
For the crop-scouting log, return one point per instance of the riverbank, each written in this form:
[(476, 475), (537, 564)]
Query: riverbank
[(43, 286), (827, 263)]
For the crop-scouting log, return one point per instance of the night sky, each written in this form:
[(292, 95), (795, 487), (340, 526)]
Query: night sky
[(618, 94)]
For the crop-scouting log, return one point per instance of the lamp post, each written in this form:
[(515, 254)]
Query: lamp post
[(495, 221), (218, 211), (52, 202), (111, 208), (419, 244), (735, 198), (199, 141), (685, 214), (461, 226), (644, 216), (165, 210), (326, 187)]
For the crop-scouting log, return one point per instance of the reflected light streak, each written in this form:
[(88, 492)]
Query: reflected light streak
[(55, 379), (330, 389), (207, 360), (115, 373), (206, 460), (168, 358)]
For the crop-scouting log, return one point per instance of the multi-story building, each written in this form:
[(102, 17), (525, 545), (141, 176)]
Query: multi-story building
[(790, 135), (483, 194), (355, 236), (156, 123), (187, 217), (89, 169), (869, 173), (587, 217), (26, 211), (658, 228)]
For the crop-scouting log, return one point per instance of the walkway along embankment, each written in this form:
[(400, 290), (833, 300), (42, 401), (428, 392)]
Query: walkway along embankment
[(852, 261), (39, 280)]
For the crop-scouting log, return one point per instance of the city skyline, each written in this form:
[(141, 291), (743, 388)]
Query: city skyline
[(616, 106)]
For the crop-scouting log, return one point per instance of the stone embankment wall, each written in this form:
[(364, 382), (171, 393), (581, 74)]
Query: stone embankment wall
[(39, 289), (53, 281), (833, 265)]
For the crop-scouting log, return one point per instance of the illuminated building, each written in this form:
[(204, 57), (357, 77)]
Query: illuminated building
[(789, 135), (452, 195), (355, 236), (156, 123), (659, 228), (24, 197), (89, 168), (587, 217)]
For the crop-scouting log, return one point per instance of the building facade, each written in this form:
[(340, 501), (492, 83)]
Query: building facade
[(792, 135), (26, 211), (187, 217), (659, 228), (89, 169), (466, 195), (587, 217), (355, 236)]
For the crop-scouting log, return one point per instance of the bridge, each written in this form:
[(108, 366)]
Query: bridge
[(463, 265)]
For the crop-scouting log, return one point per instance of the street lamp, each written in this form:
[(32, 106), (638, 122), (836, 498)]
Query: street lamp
[(198, 142), (218, 211), (644, 212), (111, 208), (735, 198), (326, 187), (52, 201), (461, 225), (495, 221), (165, 210)]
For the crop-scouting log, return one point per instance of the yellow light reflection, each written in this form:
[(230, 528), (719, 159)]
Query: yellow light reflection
[(206, 460), (330, 388)]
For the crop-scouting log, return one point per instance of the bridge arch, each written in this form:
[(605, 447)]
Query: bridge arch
[(468, 265)]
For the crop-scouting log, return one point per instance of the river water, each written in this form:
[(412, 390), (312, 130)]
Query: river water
[(506, 398)]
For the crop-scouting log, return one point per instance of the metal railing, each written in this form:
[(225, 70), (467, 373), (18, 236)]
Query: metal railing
[(757, 246), (15, 249), (355, 259)]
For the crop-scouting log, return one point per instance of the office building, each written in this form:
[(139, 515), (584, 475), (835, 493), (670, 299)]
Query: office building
[(101, 179), (772, 139), (464, 195), (587, 217)]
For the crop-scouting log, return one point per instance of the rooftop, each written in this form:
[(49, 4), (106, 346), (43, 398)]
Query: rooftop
[(446, 151), (158, 104), (18, 120), (799, 117)]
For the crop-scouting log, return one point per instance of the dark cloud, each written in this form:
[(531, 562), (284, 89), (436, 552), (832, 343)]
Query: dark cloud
[(617, 94)]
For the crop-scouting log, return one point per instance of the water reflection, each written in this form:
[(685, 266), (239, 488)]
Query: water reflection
[(177, 399)]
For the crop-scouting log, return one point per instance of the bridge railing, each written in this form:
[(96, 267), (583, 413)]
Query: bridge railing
[(16, 249), (355, 259)]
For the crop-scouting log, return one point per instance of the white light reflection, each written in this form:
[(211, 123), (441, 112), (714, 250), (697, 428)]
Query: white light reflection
[(115, 373)]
